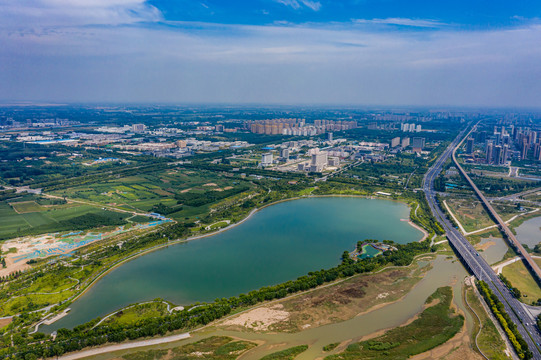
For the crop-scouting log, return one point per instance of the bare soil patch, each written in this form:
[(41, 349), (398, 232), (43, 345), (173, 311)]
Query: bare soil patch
[(330, 304)]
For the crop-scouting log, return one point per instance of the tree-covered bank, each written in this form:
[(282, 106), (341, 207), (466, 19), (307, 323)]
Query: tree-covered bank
[(28, 346)]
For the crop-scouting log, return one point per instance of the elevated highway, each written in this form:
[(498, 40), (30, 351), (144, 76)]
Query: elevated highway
[(532, 265), (519, 314)]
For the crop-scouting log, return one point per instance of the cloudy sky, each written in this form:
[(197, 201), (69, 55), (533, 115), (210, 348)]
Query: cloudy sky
[(366, 52)]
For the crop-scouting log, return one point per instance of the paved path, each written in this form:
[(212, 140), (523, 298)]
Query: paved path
[(499, 268), (131, 345)]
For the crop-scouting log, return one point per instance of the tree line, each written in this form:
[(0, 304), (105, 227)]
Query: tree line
[(497, 308), (85, 335)]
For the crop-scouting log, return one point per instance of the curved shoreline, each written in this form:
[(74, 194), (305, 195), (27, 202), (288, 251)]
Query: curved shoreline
[(229, 227), (186, 335)]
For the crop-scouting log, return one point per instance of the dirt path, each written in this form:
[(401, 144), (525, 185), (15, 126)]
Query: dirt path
[(499, 268)]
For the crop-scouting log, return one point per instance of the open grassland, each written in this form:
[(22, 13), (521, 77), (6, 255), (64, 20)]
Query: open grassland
[(488, 338), (533, 197), (215, 348), (435, 325), (287, 354), (521, 278), (135, 313), (469, 212)]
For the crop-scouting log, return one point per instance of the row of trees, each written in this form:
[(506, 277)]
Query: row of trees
[(85, 335), (497, 308), (514, 290)]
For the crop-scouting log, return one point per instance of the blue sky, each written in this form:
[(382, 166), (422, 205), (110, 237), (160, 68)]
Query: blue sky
[(365, 52), (469, 14)]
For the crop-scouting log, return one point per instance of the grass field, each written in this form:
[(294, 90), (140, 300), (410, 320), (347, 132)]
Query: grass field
[(215, 347), (135, 313), (26, 207), (521, 278), (434, 326), (49, 219), (469, 212), (489, 340), (287, 354)]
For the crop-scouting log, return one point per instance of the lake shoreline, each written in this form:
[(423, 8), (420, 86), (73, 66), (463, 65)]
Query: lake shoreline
[(197, 237)]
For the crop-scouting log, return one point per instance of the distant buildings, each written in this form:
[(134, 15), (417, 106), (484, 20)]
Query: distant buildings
[(395, 142), (405, 127), (138, 128), (488, 152), (329, 136), (266, 159), (405, 142), (469, 146), (284, 154), (418, 143), (297, 127), (334, 161), (318, 161)]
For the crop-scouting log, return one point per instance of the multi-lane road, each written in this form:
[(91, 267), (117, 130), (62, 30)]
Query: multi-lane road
[(518, 313)]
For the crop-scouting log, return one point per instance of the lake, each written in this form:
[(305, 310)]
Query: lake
[(279, 243)]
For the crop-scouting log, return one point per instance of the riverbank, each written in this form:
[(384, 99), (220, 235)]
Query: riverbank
[(125, 346), (396, 273)]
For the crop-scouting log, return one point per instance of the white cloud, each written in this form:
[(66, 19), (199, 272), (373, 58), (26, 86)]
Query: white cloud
[(423, 23), (35, 13), (312, 63), (297, 4)]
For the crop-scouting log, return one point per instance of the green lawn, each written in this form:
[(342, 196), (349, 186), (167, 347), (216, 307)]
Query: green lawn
[(521, 278), (10, 221), (26, 206), (136, 313), (288, 354), (489, 339), (50, 219)]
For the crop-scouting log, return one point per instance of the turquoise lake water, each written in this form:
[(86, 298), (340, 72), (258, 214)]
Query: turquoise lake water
[(278, 243)]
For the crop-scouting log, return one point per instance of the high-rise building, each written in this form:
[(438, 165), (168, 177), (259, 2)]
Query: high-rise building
[(138, 128), (334, 161), (489, 153), (505, 154), (524, 149), (418, 143), (395, 142), (469, 146), (284, 154), (418, 128), (329, 136), (266, 159), (318, 161), (405, 142), (497, 155)]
